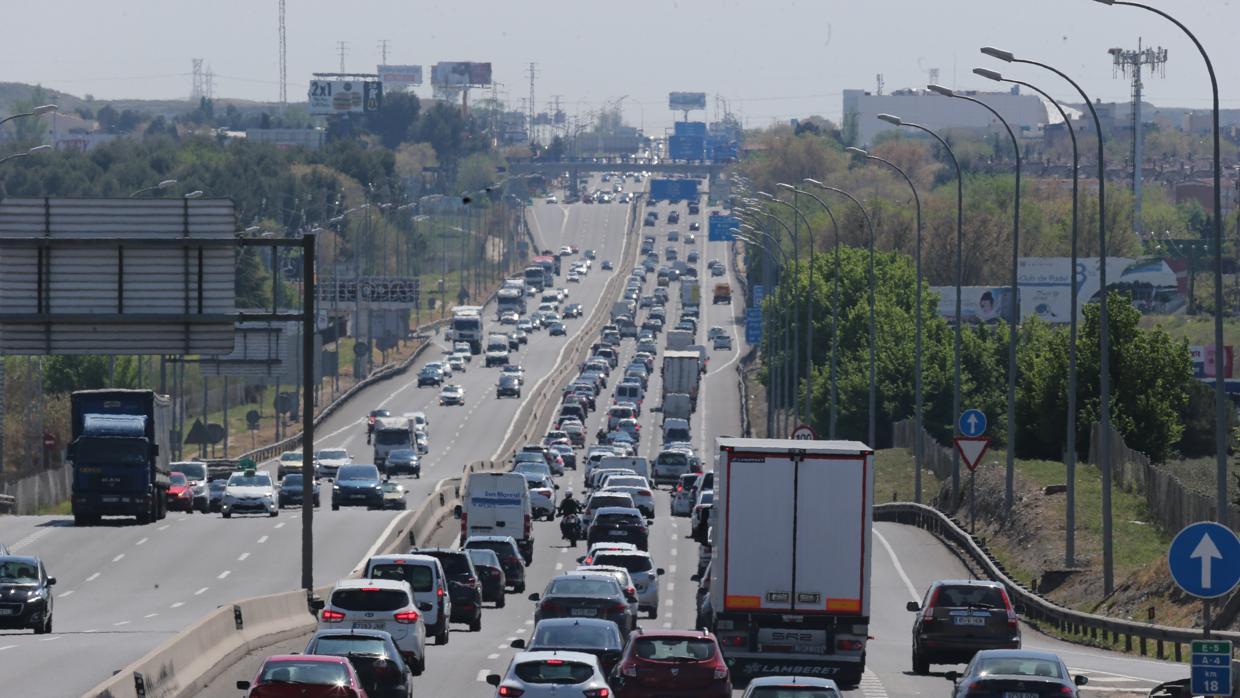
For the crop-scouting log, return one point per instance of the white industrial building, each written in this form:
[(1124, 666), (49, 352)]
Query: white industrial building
[(1025, 112)]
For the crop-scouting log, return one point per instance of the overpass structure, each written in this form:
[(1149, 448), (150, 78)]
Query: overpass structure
[(576, 169)]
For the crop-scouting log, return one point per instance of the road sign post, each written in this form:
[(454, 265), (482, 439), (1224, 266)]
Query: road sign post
[(1211, 667), (804, 432), (971, 446)]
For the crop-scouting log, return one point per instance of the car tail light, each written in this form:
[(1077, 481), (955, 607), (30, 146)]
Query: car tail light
[(644, 493), (1067, 691), (631, 590), (548, 606), (440, 592), (598, 693), (464, 522), (406, 617), (510, 691), (721, 671), (620, 607), (849, 645), (527, 525), (629, 670), (927, 613), (330, 616), (733, 639), (680, 488)]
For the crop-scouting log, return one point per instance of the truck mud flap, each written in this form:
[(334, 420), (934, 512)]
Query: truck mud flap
[(744, 668)]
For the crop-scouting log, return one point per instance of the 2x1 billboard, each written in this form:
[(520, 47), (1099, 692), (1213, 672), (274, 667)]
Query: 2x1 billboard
[(329, 97)]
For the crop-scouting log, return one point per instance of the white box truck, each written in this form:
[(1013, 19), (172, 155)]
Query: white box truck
[(467, 326), (790, 572), (682, 374)]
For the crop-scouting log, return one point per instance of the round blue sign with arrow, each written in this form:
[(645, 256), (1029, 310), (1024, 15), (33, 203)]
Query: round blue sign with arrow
[(972, 422), (1205, 559)]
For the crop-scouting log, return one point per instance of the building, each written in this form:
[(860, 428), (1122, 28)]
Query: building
[(1026, 113)]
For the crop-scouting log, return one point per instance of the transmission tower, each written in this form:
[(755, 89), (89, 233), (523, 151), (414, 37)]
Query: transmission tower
[(383, 50), (1128, 63), (342, 47), (196, 88), (283, 63), (208, 83), (879, 84), (532, 73)]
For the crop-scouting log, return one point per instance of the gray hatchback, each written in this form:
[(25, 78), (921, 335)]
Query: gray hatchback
[(959, 617)]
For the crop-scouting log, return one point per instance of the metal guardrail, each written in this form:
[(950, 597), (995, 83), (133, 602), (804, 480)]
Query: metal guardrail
[(8, 504), (1037, 609)]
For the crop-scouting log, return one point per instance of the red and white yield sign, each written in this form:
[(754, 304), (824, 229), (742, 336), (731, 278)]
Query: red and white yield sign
[(972, 448), (804, 432)]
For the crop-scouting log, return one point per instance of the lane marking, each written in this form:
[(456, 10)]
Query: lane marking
[(120, 623), (7, 647), (262, 540), (493, 656), (482, 674), (242, 557), (63, 595), (177, 604), (142, 541), (164, 527), (280, 525), (93, 577), (51, 639), (118, 558), (224, 574), (200, 591), (891, 553), (559, 566), (150, 615)]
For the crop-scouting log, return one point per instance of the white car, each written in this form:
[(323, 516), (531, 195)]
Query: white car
[(513, 370), (552, 200), (290, 462), (547, 674), (682, 495), (542, 495), (566, 251), (457, 362), (380, 604), (509, 318), (791, 687), (425, 576), (249, 492), (574, 277), (643, 497), (452, 394), (643, 572), (328, 461)]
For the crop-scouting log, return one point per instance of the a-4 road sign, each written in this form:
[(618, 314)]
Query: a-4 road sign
[(1211, 668)]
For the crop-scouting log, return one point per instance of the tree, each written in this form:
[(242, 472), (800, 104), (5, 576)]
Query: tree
[(395, 121)]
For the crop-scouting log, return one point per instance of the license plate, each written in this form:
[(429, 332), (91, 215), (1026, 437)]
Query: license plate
[(584, 612), (1019, 694), (617, 532), (8, 611), (357, 496), (970, 620), (369, 625)]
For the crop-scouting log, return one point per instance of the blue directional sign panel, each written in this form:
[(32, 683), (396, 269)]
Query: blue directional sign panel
[(1205, 559), (673, 189), (759, 294), (972, 423), (1211, 667), (753, 325), (686, 147), (690, 128), (720, 228)]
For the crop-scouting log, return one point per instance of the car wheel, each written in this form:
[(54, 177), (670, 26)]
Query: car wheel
[(519, 587), (499, 603), (652, 613), (475, 625), (418, 666), (335, 507), (441, 637), (227, 515), (920, 665), (275, 513)]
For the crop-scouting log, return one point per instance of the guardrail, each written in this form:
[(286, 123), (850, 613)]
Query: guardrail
[(1037, 609), (8, 504)]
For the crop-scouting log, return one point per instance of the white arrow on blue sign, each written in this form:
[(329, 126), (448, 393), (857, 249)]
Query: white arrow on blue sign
[(972, 422), (1205, 559)]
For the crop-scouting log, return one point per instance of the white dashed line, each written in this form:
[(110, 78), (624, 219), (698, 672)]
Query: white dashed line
[(242, 557), (93, 577), (67, 593), (671, 586), (224, 574), (482, 674), (51, 639), (119, 623), (118, 558), (177, 604), (262, 540), (150, 615), (164, 527), (142, 541), (7, 647), (200, 591), (280, 525), (559, 566), (493, 656)]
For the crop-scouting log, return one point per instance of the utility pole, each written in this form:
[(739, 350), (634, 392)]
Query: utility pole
[(1128, 64), (532, 73), (342, 48), (196, 88), (283, 60), (383, 51)]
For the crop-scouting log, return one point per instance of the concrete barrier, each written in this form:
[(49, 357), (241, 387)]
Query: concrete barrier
[(40, 490)]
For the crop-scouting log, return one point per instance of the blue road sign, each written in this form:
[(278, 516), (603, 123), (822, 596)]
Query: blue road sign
[(972, 423), (753, 325), (686, 147), (690, 128), (1211, 667), (720, 228), (759, 294), (673, 189), (1205, 559)]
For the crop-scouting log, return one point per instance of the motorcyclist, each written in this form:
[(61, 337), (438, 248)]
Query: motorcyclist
[(569, 505)]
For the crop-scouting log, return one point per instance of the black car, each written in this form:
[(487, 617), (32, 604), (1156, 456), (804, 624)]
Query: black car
[(585, 595), (25, 594), (292, 490), (600, 638), (618, 524), (509, 557), (215, 494), (357, 486), (464, 585), (491, 572), (1016, 673), (957, 618), (508, 385), (374, 656), (404, 460), (430, 375)]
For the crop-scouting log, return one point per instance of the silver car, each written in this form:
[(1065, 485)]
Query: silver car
[(546, 674), (380, 604), (792, 687), (643, 572)]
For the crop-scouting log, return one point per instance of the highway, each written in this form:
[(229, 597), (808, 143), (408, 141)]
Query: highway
[(122, 589)]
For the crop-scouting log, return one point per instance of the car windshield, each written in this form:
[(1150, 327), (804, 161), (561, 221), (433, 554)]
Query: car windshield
[(555, 671), (392, 437), (480, 556), (792, 692), (583, 587), (401, 454), (333, 454), (291, 456), (576, 635), (616, 520), (358, 472), (392, 488), (454, 563), (966, 596), (632, 563), (369, 599), (344, 645), (499, 547), (419, 576), (599, 501), (291, 481), (178, 479), (708, 497), (18, 572), (311, 672), (673, 458), (193, 471), (1018, 666), (673, 649), (255, 480)]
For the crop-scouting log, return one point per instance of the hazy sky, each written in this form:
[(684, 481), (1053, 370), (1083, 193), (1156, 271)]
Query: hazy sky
[(769, 59)]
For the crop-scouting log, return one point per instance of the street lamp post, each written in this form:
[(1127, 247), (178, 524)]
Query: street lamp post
[(1009, 480), (1104, 331), (790, 363), (26, 154), (809, 304), (37, 111), (167, 183), (835, 313), (796, 273), (768, 260), (917, 396), (1220, 395), (1070, 436), (897, 121), (869, 224)]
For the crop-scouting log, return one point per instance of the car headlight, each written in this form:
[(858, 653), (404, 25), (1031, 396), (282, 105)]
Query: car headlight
[(335, 488), (36, 593)]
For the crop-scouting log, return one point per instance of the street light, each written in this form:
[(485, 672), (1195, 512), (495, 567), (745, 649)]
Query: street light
[(809, 303), (1104, 331), (1070, 456), (37, 111), (162, 185), (917, 399), (835, 313), (897, 121), (28, 153), (1220, 395), (1009, 480), (789, 364), (869, 224), (769, 259), (796, 273), (194, 194)]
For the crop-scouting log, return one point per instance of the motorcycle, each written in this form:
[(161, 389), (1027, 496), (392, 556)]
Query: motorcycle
[(570, 529)]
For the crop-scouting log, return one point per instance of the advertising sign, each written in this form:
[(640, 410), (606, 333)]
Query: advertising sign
[(690, 128), (686, 147), (673, 189), (400, 75), (684, 101), (978, 304), (461, 74), (329, 97), (377, 292), (1203, 360)]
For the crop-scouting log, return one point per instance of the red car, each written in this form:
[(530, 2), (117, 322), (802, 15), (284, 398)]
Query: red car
[(304, 676), (180, 493), (671, 664)]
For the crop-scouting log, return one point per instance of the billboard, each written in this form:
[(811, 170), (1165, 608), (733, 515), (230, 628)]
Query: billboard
[(375, 291), (259, 351), (1203, 360), (328, 97), (686, 147), (684, 101), (978, 304), (461, 74), (673, 189), (400, 75), (690, 128)]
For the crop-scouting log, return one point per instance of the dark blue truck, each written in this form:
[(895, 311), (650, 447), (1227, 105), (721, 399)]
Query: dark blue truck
[(120, 454)]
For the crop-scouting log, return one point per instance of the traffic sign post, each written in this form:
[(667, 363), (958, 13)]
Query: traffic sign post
[(1211, 668), (971, 449), (804, 432), (1205, 559), (972, 423)]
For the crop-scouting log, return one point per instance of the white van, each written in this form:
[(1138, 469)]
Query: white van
[(498, 504), (639, 465), (426, 577)]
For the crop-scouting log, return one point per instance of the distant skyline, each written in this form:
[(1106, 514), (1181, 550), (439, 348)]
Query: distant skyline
[(767, 61)]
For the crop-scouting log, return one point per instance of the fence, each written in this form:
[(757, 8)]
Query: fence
[(936, 458), (42, 489)]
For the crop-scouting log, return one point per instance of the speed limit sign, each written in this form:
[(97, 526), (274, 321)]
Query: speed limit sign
[(804, 432)]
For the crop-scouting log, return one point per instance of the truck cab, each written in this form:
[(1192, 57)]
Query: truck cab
[(120, 455)]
